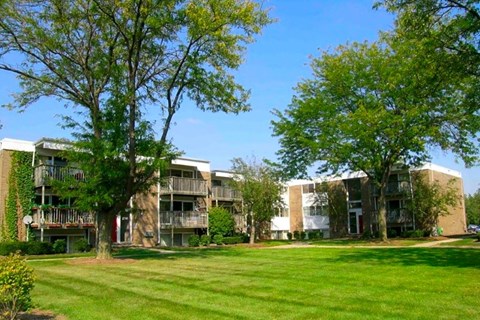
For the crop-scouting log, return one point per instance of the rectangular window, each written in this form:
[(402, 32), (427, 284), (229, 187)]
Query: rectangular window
[(308, 188), (354, 188)]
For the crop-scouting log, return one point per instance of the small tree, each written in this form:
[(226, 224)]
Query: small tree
[(220, 221), (16, 282), (472, 207), (261, 191), (431, 201)]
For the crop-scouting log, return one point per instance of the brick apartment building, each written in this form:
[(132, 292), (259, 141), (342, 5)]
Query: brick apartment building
[(178, 207)]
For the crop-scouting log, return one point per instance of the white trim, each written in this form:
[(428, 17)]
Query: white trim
[(17, 145), (437, 168)]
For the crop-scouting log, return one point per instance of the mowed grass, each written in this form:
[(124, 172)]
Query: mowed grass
[(245, 283)]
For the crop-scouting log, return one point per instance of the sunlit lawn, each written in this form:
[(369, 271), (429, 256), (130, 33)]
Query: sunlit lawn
[(269, 283)]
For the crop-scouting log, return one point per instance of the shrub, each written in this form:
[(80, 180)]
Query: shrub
[(205, 240), (366, 235), (296, 235), (220, 221), (81, 245), (9, 247), (391, 233), (413, 234), (289, 236), (303, 235), (218, 239), (478, 237), (37, 248), (232, 240), (59, 246), (16, 282), (194, 240)]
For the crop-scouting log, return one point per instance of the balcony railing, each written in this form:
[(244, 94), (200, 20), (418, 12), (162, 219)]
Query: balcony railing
[(62, 218), (400, 216), (45, 173), (183, 219), (180, 185), (225, 193), (394, 188)]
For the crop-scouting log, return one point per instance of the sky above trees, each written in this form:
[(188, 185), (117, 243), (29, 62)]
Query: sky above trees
[(274, 65)]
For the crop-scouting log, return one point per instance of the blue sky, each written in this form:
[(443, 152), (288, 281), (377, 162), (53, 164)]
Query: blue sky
[(273, 66)]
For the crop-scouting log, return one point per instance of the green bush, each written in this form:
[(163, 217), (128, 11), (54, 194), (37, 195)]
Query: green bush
[(220, 221), (194, 240), (16, 282), (391, 233), (413, 234), (205, 240), (303, 235), (478, 237), (37, 248), (218, 239), (315, 235), (232, 240), (289, 236), (81, 245), (60, 246), (296, 235)]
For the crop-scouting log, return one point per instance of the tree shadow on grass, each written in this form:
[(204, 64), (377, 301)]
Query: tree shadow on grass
[(434, 257)]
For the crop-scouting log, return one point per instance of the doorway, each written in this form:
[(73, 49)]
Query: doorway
[(355, 221)]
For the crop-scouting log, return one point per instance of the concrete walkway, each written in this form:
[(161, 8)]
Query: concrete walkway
[(435, 243)]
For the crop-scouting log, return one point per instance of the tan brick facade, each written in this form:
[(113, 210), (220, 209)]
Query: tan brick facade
[(296, 208)]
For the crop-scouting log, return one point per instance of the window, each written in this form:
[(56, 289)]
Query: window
[(354, 188), (321, 210), (282, 213), (181, 173), (308, 188), (216, 183)]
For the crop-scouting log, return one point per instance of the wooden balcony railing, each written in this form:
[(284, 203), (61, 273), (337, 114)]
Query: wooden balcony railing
[(225, 193), (399, 216), (62, 218), (45, 173), (180, 185), (183, 219)]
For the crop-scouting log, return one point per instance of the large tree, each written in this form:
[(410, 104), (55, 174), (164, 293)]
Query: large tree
[(261, 191), (116, 61), (449, 25), (370, 106)]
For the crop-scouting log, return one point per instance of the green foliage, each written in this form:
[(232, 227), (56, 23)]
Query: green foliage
[(392, 233), (218, 239), (314, 235), (205, 240), (234, 240), (413, 234), (116, 63), (430, 200), (59, 246), (289, 235), (30, 248), (472, 207), (261, 191), (303, 235), (20, 193), (220, 221), (296, 235), (81, 245), (16, 282), (194, 240), (370, 106)]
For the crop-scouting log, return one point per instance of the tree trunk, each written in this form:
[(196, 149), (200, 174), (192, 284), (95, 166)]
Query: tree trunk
[(104, 242), (252, 230), (382, 213)]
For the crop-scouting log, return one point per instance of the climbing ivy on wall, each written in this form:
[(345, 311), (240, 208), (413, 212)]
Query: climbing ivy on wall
[(20, 192)]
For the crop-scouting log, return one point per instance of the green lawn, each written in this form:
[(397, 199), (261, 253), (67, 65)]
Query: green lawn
[(268, 283)]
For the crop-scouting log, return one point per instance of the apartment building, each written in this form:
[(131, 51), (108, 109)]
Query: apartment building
[(168, 215), (347, 204)]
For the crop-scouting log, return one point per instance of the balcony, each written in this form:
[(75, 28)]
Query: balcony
[(62, 218), (187, 186), (399, 216), (44, 174), (225, 193), (394, 188), (183, 219)]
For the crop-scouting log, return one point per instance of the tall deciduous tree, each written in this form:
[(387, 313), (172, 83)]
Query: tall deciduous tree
[(115, 61), (370, 106), (261, 192)]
